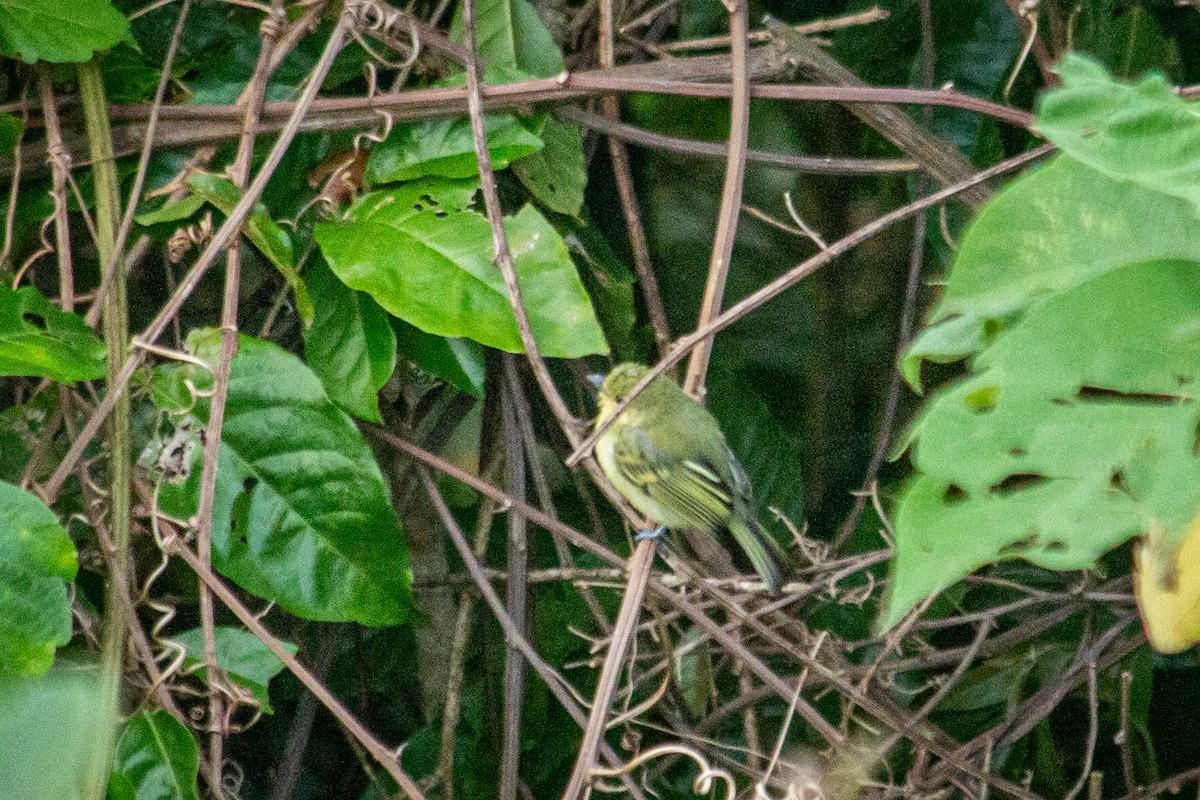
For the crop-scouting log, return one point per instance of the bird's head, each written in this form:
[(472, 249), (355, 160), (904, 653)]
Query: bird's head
[(617, 384)]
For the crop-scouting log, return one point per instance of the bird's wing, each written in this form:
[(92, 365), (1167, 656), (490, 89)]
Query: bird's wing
[(691, 488)]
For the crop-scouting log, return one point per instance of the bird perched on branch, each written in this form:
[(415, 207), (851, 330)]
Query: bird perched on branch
[(666, 455)]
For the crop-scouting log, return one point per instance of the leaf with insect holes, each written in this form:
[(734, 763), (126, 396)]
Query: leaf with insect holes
[(1076, 431), (40, 340), (1143, 133), (427, 259)]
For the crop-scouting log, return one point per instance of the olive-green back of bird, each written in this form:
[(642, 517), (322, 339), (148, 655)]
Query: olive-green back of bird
[(667, 456)]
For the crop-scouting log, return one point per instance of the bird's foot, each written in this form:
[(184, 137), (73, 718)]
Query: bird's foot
[(646, 533)]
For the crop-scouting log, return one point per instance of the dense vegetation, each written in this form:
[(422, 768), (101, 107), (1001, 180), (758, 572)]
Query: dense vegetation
[(298, 307)]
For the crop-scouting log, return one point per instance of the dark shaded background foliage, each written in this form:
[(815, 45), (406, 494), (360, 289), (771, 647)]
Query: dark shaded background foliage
[(800, 385)]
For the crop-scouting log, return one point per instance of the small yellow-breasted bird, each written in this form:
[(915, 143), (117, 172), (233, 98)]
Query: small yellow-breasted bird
[(667, 456)]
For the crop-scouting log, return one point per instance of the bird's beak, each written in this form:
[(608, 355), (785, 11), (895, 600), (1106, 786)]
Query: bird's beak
[(596, 379)]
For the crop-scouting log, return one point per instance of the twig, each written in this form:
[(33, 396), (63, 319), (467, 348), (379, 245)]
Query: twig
[(818, 165), (908, 314), (938, 158), (871, 15), (791, 713), (462, 625), (1093, 731), (58, 190), (631, 606), (731, 197), (287, 774), (685, 77), (255, 93), (626, 192), (1124, 737), (502, 256), (517, 587)]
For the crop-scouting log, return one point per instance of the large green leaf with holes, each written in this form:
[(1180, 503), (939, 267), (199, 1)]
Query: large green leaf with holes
[(40, 340), (1047, 232), (427, 259), (301, 516), (1125, 191), (1076, 430)]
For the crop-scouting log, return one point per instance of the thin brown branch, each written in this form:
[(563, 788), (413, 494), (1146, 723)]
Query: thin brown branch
[(254, 96), (938, 158), (818, 165), (517, 586), (58, 189), (627, 193), (502, 256), (731, 196), (623, 629), (870, 16), (686, 77)]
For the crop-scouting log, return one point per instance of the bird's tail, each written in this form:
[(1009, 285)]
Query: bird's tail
[(764, 552)]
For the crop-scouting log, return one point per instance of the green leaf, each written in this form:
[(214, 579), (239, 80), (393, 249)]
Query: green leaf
[(557, 174), (694, 674), (350, 344), (53, 733), (38, 339), (37, 561), (509, 33), (1139, 45), (159, 756), (429, 263), (120, 787), (1046, 232), (446, 148), (271, 240), (1077, 430), (301, 514), (611, 286), (457, 361), (128, 76), (11, 130), (59, 30), (174, 211), (1144, 134), (241, 655)]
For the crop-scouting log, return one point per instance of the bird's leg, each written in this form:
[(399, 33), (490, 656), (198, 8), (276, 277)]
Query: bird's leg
[(646, 533)]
